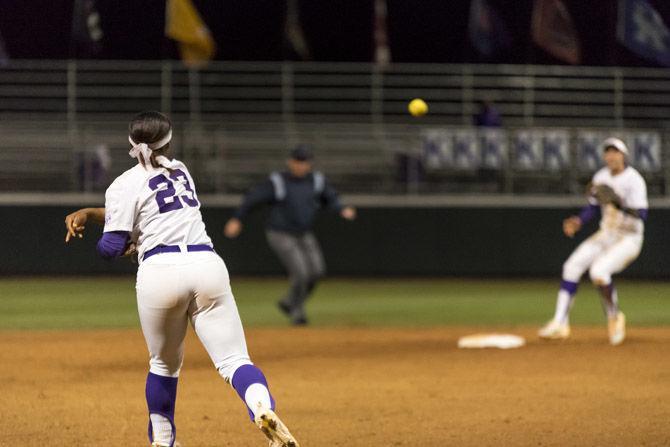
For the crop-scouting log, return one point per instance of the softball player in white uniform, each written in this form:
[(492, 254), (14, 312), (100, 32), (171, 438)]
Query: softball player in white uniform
[(619, 194), (153, 208)]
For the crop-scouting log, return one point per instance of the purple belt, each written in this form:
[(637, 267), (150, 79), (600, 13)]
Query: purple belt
[(174, 249)]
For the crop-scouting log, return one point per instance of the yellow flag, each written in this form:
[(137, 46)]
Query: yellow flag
[(184, 24)]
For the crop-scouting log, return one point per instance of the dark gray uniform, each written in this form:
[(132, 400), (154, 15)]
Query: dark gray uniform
[(294, 203)]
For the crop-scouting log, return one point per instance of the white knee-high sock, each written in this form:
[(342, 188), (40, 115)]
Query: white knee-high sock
[(563, 306), (162, 429), (610, 300), (252, 387), (257, 394)]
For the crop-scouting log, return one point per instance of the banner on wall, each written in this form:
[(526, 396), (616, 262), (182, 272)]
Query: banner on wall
[(556, 150)]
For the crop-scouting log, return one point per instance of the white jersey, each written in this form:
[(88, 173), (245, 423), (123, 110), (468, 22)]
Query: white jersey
[(632, 189), (157, 207)]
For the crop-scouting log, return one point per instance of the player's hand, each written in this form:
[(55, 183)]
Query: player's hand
[(348, 212), (131, 252), (131, 249), (572, 225), (233, 228), (75, 224)]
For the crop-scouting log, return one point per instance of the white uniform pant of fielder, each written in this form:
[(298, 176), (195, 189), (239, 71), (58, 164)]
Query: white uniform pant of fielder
[(173, 288), (603, 254)]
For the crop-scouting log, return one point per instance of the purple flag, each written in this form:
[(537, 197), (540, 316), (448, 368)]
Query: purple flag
[(488, 33), (641, 29)]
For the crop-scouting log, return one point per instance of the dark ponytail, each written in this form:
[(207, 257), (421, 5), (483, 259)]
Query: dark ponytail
[(150, 127)]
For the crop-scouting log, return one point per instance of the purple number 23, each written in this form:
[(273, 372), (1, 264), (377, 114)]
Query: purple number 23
[(166, 197)]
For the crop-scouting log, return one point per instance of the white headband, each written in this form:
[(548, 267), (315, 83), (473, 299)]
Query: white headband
[(145, 149)]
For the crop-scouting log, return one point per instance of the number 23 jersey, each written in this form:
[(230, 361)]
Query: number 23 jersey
[(157, 206)]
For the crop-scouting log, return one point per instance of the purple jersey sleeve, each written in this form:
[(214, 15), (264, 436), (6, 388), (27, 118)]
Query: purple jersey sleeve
[(588, 212), (113, 244)]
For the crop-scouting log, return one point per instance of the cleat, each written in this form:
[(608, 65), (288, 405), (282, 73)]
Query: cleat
[(616, 327), (554, 331), (284, 308), (299, 321), (158, 444), (275, 430)]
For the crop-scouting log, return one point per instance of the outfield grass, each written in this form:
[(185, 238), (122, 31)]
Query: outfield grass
[(73, 303)]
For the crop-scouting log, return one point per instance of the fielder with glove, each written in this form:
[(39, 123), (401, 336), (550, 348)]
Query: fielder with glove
[(619, 194)]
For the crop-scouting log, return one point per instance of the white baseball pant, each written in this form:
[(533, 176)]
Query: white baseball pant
[(173, 288), (603, 254)]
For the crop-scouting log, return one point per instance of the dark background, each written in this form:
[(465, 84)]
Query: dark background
[(336, 30), (504, 242)]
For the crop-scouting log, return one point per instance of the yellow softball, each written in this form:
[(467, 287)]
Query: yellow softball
[(417, 107)]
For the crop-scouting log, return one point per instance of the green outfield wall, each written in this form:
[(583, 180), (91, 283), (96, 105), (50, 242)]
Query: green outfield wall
[(456, 241)]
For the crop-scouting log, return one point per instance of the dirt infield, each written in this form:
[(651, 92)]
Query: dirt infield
[(347, 387)]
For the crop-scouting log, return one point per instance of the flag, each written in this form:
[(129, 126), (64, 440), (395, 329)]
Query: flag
[(184, 24), (4, 56), (493, 147), (589, 156), (646, 150), (527, 150), (641, 29), (487, 32), (556, 150), (554, 31), (382, 51), (465, 150), (294, 38), (86, 39)]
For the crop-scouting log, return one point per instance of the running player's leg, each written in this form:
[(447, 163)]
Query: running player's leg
[(216, 321), (293, 258), (214, 316), (613, 260), (316, 263), (162, 306), (573, 269)]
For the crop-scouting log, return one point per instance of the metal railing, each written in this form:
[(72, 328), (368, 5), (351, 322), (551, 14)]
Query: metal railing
[(318, 92), (235, 121)]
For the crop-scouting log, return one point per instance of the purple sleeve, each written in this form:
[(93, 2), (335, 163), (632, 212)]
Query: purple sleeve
[(112, 244), (643, 213), (588, 212)]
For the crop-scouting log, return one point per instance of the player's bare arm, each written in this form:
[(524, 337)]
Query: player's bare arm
[(233, 228), (572, 225), (75, 222), (348, 212)]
